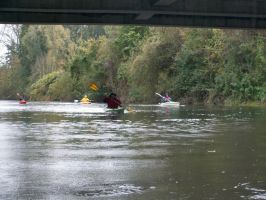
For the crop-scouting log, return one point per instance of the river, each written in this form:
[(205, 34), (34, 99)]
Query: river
[(70, 151)]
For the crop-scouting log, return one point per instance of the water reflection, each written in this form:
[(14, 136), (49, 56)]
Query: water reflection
[(72, 151)]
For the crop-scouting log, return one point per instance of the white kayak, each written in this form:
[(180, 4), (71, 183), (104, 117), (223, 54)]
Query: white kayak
[(170, 103)]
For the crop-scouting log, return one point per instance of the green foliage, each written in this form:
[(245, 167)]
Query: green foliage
[(62, 88), (195, 65), (86, 67), (56, 86), (81, 33), (128, 39), (40, 89), (10, 82), (5, 83), (44, 49), (243, 77)]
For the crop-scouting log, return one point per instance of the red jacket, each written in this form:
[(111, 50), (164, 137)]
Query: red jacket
[(112, 102)]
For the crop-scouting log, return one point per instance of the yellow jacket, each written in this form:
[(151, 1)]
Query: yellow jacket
[(85, 99)]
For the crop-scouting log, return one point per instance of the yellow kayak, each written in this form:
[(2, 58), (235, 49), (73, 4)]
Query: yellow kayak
[(85, 102)]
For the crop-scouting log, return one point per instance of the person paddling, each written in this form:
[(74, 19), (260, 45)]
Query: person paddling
[(21, 97), (85, 100), (112, 101), (167, 98)]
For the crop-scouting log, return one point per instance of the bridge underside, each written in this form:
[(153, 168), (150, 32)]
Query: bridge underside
[(192, 13)]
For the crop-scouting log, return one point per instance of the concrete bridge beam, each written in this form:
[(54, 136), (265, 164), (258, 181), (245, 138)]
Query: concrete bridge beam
[(192, 13)]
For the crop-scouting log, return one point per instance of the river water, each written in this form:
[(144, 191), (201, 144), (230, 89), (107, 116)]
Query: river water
[(72, 151)]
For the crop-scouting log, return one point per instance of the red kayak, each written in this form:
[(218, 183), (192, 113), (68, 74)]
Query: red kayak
[(22, 102)]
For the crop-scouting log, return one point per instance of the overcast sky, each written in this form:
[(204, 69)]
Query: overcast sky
[(2, 46)]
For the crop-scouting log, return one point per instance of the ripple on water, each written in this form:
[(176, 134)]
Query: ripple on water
[(106, 190), (253, 192)]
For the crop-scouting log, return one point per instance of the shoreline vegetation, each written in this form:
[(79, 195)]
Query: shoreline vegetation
[(194, 66)]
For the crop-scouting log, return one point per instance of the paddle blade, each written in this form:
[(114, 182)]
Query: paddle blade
[(93, 86), (159, 95)]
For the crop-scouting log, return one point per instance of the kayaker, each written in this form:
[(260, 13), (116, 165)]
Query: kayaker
[(21, 97), (85, 99), (112, 101), (166, 98)]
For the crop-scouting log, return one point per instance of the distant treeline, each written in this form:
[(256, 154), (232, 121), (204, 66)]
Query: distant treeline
[(57, 63)]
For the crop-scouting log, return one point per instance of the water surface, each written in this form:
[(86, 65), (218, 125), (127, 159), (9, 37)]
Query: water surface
[(72, 151)]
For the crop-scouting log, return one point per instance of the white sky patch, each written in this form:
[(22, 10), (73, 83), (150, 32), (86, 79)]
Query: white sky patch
[(3, 49)]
